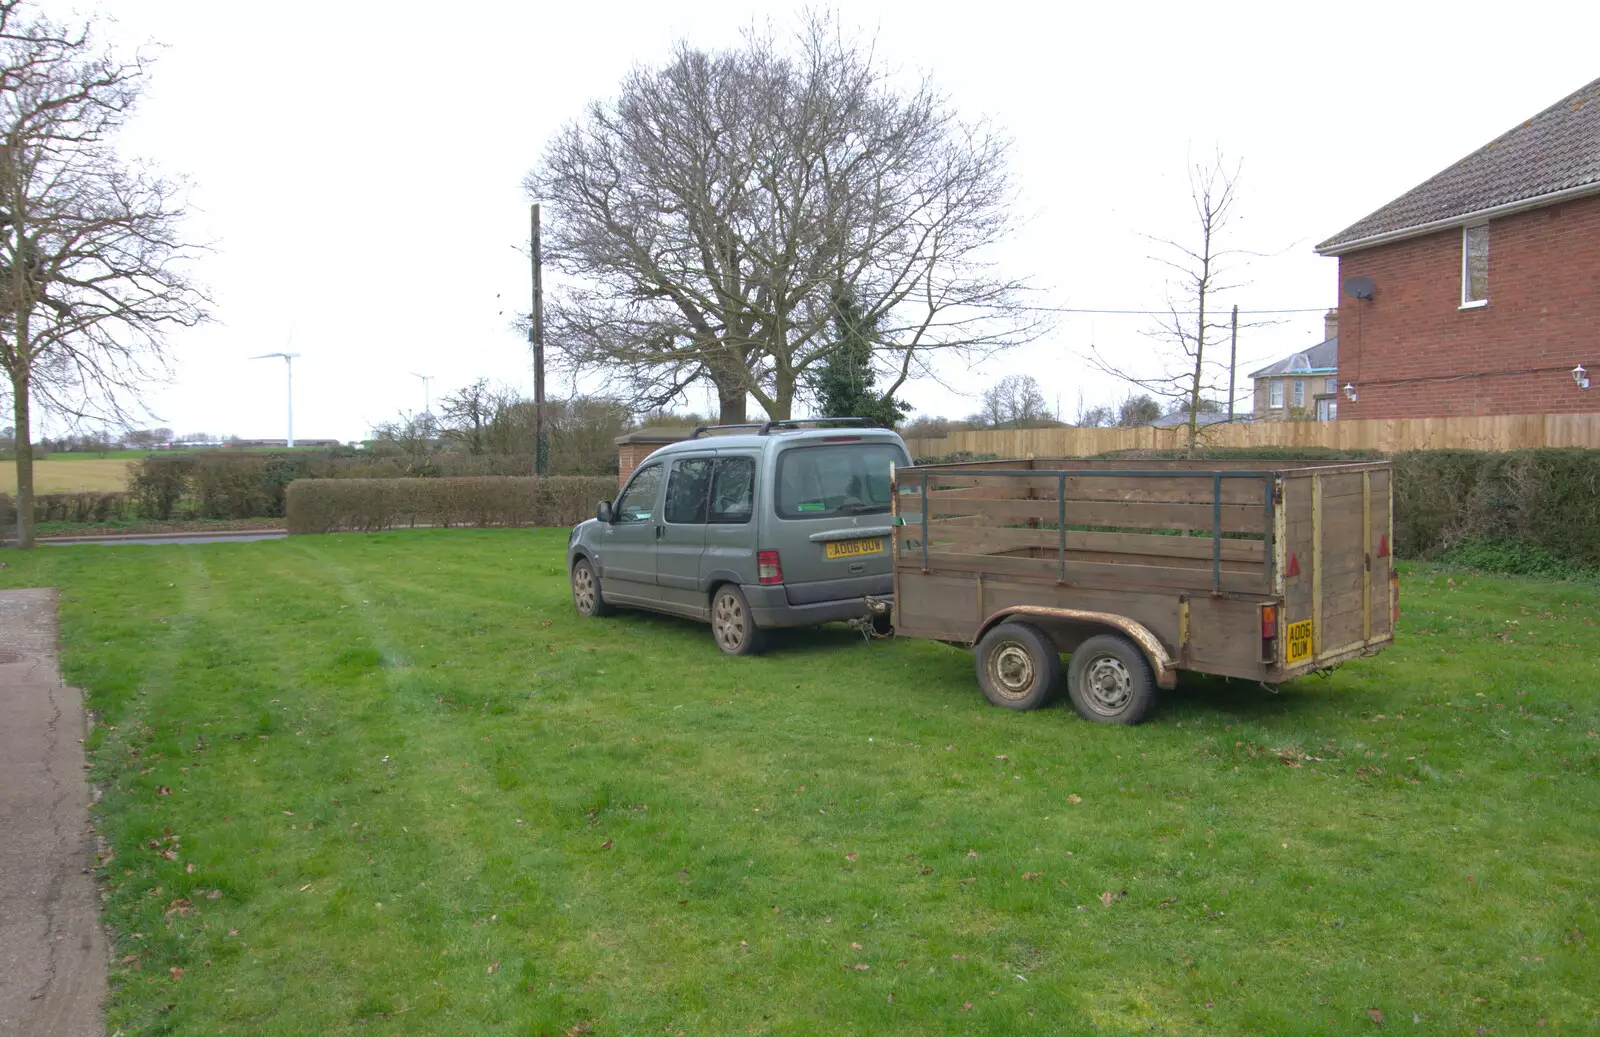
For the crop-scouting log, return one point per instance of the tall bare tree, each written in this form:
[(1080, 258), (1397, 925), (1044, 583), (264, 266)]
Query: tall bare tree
[(710, 215), (92, 258), (1201, 268)]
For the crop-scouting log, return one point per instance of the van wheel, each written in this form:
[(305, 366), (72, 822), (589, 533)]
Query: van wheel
[(586, 597), (1018, 666), (1110, 682), (732, 624)]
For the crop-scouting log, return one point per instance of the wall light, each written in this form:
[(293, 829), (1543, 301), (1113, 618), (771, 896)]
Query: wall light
[(1350, 391), (1580, 377)]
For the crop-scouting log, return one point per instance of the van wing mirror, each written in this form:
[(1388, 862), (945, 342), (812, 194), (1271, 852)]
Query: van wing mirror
[(602, 512)]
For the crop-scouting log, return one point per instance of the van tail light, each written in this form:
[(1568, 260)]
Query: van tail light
[(768, 568), (1269, 632)]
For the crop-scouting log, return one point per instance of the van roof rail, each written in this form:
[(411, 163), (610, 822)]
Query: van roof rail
[(783, 423), (700, 430)]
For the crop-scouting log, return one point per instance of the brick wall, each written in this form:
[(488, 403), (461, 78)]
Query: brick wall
[(1413, 352)]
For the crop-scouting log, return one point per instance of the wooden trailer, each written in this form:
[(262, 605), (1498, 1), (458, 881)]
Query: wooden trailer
[(1262, 570)]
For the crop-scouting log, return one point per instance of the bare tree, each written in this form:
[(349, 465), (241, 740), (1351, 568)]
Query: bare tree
[(91, 258), (1200, 271), (1015, 401), (714, 211)]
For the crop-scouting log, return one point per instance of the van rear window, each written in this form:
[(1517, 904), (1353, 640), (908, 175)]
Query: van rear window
[(836, 479)]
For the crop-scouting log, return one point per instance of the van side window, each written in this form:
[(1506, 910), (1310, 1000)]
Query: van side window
[(733, 490), (686, 491), (638, 501)]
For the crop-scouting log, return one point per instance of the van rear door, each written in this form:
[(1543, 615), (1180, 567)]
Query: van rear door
[(832, 504)]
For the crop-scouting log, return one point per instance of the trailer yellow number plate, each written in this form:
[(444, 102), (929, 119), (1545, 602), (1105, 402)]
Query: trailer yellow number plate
[(851, 548), (1299, 641)]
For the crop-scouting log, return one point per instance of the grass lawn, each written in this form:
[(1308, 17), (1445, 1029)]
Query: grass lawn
[(391, 784), (90, 474)]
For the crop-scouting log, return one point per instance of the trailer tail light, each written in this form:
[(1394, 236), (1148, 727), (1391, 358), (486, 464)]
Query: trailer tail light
[(768, 568), (1269, 632)]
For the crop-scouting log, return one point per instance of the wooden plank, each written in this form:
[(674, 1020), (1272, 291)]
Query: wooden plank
[(1197, 579), (1249, 552), (1236, 518), (1366, 556), (1316, 564)]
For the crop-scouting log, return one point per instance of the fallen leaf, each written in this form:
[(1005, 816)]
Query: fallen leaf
[(855, 946), (1074, 798), (494, 968), (175, 972), (1029, 876), (972, 853), (233, 932), (966, 1006), (305, 887), (1376, 1016), (163, 790), (849, 856), (958, 957), (606, 845), (1107, 897), (859, 966), (927, 871), (188, 868), (212, 894)]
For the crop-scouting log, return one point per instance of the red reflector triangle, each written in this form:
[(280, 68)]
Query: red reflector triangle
[(1383, 545), (1294, 566)]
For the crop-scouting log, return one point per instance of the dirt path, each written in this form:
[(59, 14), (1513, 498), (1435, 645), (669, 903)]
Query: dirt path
[(52, 947)]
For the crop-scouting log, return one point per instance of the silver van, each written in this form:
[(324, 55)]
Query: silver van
[(747, 527)]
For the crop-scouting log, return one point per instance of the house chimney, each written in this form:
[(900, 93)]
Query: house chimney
[(1330, 324)]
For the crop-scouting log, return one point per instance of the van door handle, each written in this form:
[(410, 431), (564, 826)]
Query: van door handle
[(659, 531)]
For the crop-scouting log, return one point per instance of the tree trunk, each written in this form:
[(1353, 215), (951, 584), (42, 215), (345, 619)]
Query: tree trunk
[(731, 404), (24, 441)]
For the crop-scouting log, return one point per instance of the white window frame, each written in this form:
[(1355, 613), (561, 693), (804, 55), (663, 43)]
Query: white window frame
[(1468, 303), (1275, 394), (1299, 392), (1330, 385)]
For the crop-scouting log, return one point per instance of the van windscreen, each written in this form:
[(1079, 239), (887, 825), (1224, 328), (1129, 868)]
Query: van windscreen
[(836, 479)]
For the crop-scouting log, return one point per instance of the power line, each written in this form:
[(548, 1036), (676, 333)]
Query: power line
[(1163, 313)]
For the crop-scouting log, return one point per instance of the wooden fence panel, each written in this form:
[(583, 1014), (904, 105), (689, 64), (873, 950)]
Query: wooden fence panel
[(1491, 432)]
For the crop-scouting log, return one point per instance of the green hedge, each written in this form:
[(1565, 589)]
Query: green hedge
[(331, 505), (66, 507), (1547, 499)]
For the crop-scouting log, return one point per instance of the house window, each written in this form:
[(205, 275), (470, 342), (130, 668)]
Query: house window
[(1299, 392), (1275, 393), (1330, 385), (1327, 410), (1475, 265)]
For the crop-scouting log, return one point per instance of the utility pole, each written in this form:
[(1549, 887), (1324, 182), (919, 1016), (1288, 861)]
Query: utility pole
[(1233, 359), (541, 453)]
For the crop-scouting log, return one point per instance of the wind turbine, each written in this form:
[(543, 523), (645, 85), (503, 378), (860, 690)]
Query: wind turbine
[(288, 365), (427, 400)]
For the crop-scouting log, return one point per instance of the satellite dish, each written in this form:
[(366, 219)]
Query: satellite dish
[(1360, 287)]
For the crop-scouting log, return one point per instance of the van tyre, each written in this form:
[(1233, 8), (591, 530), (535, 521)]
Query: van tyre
[(1110, 681), (1018, 666), (733, 626), (586, 596)]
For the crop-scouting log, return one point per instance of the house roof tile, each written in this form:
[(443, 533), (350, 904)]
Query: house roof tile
[(1324, 356), (1556, 150)]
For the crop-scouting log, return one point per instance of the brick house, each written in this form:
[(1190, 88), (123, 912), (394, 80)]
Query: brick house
[(1304, 385), (1478, 291)]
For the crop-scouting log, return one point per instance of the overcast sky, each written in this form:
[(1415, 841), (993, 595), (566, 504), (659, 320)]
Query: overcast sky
[(358, 164)]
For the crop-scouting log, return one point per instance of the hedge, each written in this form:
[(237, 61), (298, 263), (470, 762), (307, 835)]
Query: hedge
[(66, 507), (330, 505)]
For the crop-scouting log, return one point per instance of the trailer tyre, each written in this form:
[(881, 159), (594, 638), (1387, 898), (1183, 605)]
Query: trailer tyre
[(1018, 666), (1110, 681)]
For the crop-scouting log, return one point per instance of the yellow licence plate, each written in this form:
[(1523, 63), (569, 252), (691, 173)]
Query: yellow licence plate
[(851, 548), (1299, 641)]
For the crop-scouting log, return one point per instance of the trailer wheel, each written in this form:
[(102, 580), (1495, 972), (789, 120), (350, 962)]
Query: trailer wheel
[(1018, 666), (1110, 682)]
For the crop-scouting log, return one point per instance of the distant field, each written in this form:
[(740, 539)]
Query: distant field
[(75, 476)]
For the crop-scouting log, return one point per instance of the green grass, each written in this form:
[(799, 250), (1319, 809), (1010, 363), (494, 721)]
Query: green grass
[(391, 784)]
